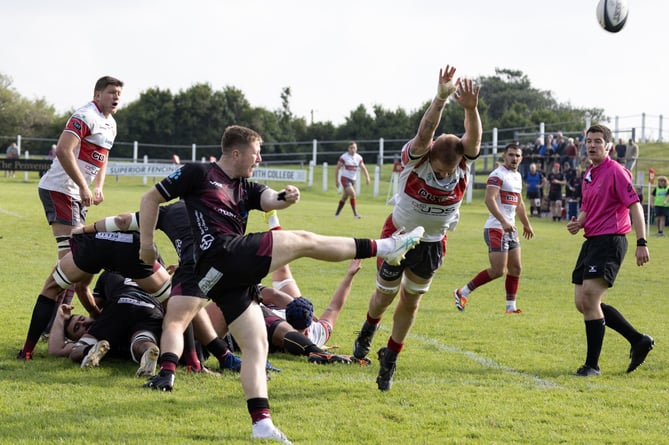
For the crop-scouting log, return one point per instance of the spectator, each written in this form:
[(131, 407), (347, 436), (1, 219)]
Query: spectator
[(621, 151), (12, 154), (571, 153), (527, 160), (631, 155), (574, 177), (659, 204), (560, 148), (534, 183), (555, 182)]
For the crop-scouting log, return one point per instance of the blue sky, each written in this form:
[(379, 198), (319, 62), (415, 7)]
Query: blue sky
[(336, 55)]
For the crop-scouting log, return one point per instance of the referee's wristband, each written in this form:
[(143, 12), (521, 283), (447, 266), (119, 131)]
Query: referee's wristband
[(641, 242)]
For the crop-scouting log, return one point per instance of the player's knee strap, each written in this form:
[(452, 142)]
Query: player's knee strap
[(164, 292), (141, 337), (388, 290), (110, 224), (134, 224), (415, 288), (281, 284), (63, 243), (61, 278)]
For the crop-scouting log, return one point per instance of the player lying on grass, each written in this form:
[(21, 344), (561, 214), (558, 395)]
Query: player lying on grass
[(186, 298), (129, 325), (91, 253), (289, 318)]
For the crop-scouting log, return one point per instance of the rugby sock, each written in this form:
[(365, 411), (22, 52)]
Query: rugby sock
[(258, 409), (298, 344), (41, 317), (618, 323), (480, 279), (594, 333), (218, 348), (272, 220), (339, 207), (394, 346), (354, 206), (367, 248), (511, 285), (373, 321), (168, 361), (190, 351)]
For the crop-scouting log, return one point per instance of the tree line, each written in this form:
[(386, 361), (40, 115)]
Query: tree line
[(508, 101)]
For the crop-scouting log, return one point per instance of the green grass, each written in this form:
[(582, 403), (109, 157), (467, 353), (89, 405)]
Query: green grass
[(477, 377)]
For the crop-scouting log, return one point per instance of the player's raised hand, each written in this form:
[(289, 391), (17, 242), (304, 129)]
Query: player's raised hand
[(445, 87), (467, 93)]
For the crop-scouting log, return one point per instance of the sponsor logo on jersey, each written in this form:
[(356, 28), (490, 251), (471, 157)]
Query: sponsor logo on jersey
[(98, 156), (433, 210), (115, 236)]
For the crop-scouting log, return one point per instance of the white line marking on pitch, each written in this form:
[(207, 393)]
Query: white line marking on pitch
[(486, 362), (7, 212)]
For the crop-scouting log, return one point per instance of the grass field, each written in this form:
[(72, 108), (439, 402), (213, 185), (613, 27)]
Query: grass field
[(477, 377)]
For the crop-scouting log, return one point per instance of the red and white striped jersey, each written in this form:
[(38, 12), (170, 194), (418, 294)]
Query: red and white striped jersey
[(424, 200), (510, 186), (350, 165), (96, 133)]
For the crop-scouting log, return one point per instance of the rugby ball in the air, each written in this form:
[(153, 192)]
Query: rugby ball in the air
[(612, 14)]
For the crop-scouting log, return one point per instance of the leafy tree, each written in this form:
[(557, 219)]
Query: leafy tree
[(167, 123), (358, 125), (30, 119), (507, 87)]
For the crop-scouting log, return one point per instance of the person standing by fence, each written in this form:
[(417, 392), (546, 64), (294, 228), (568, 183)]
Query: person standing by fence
[(659, 204)]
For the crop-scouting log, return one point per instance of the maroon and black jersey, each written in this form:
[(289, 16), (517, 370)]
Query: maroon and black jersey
[(217, 205)]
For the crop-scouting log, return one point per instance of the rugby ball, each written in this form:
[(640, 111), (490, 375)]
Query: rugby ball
[(612, 14)]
